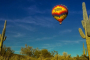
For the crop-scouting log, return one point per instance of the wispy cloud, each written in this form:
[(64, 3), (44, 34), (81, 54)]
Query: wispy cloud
[(15, 46), (1, 19), (19, 35), (75, 12), (66, 31), (45, 38), (2, 26), (8, 20), (88, 12), (40, 20), (51, 46), (12, 32), (36, 20), (34, 9), (27, 27), (17, 51), (76, 41), (9, 26), (78, 12)]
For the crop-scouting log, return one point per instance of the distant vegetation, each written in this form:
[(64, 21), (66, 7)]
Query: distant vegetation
[(28, 53)]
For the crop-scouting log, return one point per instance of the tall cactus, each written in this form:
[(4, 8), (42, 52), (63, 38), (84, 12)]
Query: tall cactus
[(2, 37), (84, 50), (86, 25)]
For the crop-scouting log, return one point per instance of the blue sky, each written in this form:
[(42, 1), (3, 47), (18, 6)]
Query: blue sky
[(30, 22)]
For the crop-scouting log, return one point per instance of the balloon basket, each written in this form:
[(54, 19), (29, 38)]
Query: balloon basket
[(60, 23)]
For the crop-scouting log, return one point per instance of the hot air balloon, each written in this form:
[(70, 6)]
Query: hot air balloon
[(60, 12)]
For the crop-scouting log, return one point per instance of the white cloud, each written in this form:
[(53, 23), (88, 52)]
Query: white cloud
[(45, 38), (34, 9), (14, 34), (15, 46), (68, 41), (8, 20), (71, 41), (9, 26), (18, 35), (88, 11), (26, 27), (78, 12), (51, 46), (66, 31), (17, 51), (12, 31), (2, 26), (75, 12), (1, 19), (20, 25), (36, 20)]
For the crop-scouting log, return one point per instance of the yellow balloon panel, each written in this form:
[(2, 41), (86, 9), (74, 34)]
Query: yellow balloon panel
[(60, 17), (58, 9)]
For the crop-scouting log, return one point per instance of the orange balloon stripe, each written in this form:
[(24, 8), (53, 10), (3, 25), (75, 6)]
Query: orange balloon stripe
[(61, 11), (60, 20), (59, 15), (55, 13)]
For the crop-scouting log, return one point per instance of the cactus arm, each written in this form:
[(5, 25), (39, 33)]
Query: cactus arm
[(86, 51), (83, 23), (83, 52), (81, 33), (85, 16), (4, 29), (4, 38)]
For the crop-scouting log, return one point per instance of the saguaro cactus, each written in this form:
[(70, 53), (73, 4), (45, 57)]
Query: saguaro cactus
[(86, 25), (2, 37), (84, 50)]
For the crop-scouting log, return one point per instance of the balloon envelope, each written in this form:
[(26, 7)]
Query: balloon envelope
[(60, 12)]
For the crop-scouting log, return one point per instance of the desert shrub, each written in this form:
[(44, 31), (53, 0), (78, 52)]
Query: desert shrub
[(45, 53), (37, 53), (48, 59), (65, 54), (53, 53), (15, 58), (6, 52), (29, 51), (2, 58), (26, 51)]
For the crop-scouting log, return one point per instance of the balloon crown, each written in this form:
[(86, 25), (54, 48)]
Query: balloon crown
[(61, 5)]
